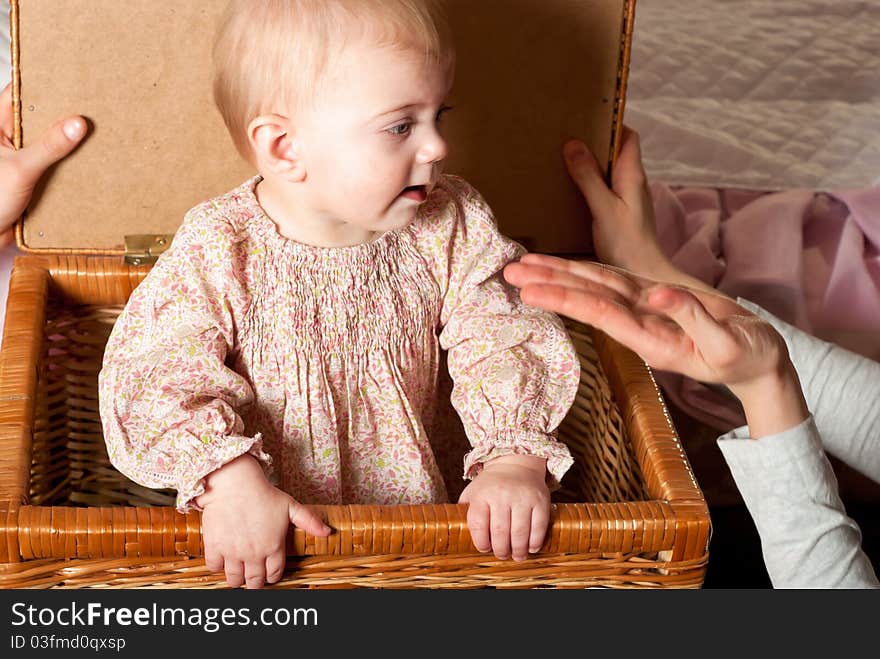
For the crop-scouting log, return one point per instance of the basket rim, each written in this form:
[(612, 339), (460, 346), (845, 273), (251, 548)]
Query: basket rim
[(675, 521)]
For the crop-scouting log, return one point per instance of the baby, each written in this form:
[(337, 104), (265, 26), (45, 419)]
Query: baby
[(286, 347)]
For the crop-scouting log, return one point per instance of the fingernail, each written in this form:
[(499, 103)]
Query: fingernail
[(327, 529), (575, 151), (74, 129)]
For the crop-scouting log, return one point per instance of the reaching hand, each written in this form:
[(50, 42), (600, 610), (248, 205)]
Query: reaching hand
[(700, 334), (21, 169)]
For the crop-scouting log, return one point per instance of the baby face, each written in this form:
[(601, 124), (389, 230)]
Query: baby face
[(371, 141)]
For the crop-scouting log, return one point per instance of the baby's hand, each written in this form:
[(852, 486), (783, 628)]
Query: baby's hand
[(245, 521), (509, 506)]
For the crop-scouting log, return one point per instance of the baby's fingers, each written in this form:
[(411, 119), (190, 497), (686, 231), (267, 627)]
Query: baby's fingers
[(538, 530), (305, 518), (520, 533), (275, 566), (234, 573), (255, 574), (499, 528), (213, 559), (478, 525)]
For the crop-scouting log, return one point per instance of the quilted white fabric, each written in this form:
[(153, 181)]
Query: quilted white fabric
[(758, 94), (5, 73)]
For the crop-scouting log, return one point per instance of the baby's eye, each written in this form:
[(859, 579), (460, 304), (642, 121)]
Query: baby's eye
[(442, 111), (400, 129)]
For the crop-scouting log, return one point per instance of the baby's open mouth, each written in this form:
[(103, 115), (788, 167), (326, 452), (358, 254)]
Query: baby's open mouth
[(415, 192)]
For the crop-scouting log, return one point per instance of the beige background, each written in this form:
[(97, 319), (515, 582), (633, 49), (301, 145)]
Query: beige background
[(530, 74)]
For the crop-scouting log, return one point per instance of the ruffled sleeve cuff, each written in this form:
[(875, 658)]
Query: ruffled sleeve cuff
[(537, 444), (192, 469)]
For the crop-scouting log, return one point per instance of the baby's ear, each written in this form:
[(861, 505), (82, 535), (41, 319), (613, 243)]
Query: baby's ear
[(277, 151)]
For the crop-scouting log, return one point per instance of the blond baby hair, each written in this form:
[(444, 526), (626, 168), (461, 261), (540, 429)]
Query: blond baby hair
[(272, 55)]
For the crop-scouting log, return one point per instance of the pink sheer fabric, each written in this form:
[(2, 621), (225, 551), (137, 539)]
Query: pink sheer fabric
[(811, 258)]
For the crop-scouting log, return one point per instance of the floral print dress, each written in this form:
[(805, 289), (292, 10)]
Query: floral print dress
[(323, 362)]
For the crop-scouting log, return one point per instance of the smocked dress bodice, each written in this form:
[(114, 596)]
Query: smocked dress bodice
[(323, 362)]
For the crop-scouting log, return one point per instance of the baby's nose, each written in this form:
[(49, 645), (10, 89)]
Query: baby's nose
[(433, 150)]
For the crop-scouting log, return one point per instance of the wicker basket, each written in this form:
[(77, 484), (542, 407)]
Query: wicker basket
[(630, 513)]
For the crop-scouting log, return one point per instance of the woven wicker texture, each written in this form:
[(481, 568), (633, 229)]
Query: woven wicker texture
[(629, 513)]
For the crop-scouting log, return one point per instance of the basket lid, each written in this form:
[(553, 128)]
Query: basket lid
[(529, 74)]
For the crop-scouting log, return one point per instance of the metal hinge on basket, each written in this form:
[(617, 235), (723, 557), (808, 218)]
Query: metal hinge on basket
[(143, 249)]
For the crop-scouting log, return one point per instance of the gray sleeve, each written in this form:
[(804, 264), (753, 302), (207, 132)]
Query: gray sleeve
[(789, 487), (842, 391)]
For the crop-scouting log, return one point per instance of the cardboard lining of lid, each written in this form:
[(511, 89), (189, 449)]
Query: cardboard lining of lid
[(529, 74)]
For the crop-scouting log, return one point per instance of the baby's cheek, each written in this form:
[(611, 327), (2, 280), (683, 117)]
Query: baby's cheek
[(358, 189)]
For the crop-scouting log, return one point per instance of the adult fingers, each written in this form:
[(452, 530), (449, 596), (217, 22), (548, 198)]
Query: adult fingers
[(275, 566), (526, 274), (59, 140), (478, 525), (709, 336), (628, 178), (234, 573), (593, 270), (651, 337), (305, 518), (255, 574), (520, 533), (585, 172), (587, 306), (499, 529), (6, 111), (622, 281), (7, 238)]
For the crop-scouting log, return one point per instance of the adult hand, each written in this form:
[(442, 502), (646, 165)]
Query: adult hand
[(624, 232), (624, 228), (699, 333), (21, 169)]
